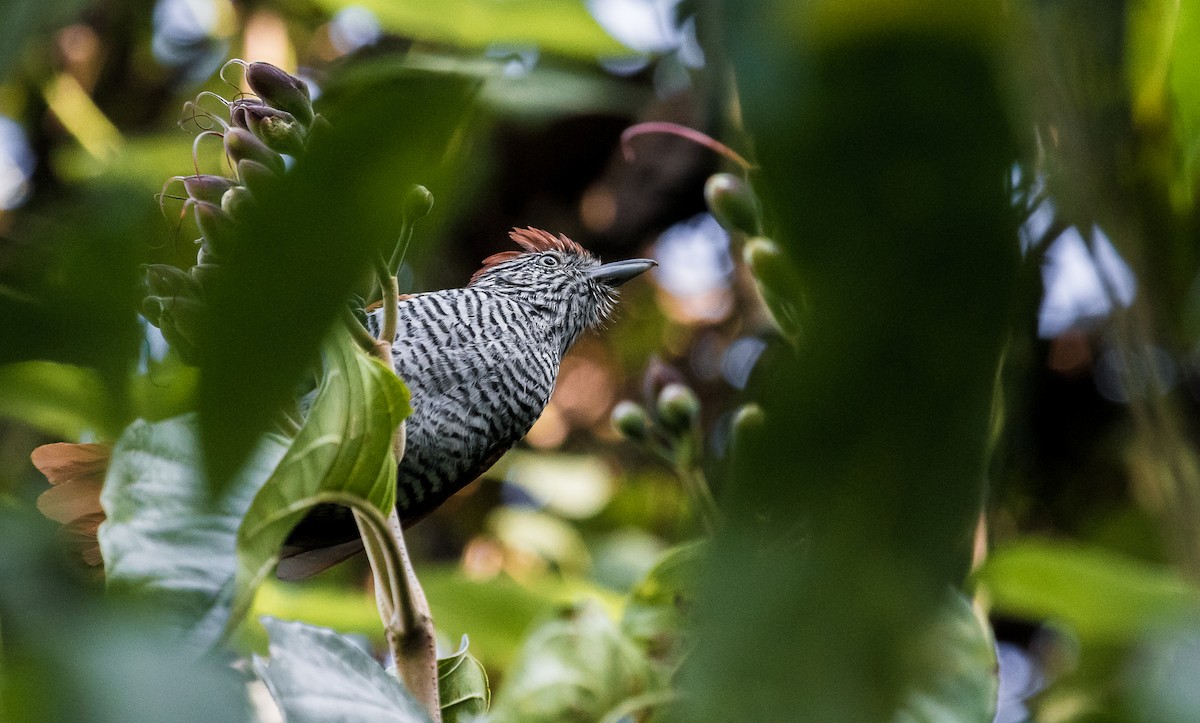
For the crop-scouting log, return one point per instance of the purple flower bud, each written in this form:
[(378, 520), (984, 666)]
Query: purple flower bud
[(206, 187), (241, 144), (281, 90), (239, 108)]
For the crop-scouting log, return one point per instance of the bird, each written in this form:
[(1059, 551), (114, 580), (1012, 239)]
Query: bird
[(480, 363)]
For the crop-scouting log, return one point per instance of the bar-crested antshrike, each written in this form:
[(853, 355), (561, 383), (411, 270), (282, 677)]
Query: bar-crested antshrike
[(480, 363)]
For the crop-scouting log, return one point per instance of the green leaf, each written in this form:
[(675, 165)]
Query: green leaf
[(462, 686), (577, 666), (317, 675), (657, 614), (163, 537), (957, 657), (60, 399), (562, 27), (1104, 597), (343, 450), (308, 241)]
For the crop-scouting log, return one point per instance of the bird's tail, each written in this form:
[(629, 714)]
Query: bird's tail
[(76, 473)]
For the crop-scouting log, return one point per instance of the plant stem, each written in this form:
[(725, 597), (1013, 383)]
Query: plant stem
[(363, 337), (391, 297)]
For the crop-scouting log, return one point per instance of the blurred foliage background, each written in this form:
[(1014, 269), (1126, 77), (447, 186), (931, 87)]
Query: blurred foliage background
[(977, 349)]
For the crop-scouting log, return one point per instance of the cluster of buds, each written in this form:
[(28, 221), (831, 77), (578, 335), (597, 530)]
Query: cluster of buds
[(735, 206), (671, 431), (260, 131)]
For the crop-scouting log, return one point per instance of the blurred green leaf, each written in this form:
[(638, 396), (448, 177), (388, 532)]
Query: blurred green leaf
[(73, 656), (316, 675), (462, 686), (164, 538), (1103, 597), (657, 615), (60, 399), (576, 666), (344, 449), (21, 20), (308, 241), (958, 661), (563, 27)]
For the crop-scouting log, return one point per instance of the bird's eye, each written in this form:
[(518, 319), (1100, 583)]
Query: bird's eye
[(548, 260)]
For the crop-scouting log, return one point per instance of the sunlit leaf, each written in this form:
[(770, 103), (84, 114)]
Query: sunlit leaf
[(316, 675), (577, 666), (59, 399), (1101, 595), (657, 614), (462, 686), (164, 537), (958, 658), (308, 241), (343, 449), (564, 27)]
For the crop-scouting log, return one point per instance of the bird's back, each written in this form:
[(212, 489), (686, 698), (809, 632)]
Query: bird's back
[(480, 367)]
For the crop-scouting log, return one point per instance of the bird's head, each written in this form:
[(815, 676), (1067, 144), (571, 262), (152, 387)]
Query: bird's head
[(559, 278)]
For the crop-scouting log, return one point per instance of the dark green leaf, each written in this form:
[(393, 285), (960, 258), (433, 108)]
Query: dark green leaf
[(343, 450), (462, 686), (164, 537), (317, 675), (297, 253), (1101, 595)]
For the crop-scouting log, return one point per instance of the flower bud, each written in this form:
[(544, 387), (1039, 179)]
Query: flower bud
[(152, 308), (243, 145), (630, 420), (204, 274), (186, 315), (207, 257), (732, 203), (215, 225), (167, 280), (278, 129), (780, 284), (205, 187), (678, 407), (233, 199), (238, 111), (417, 203), (281, 90), (253, 174)]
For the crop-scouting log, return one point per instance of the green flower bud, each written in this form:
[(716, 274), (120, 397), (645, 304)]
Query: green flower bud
[(630, 420), (207, 257), (215, 225), (780, 284), (678, 407), (167, 280), (204, 274), (185, 315), (243, 145), (253, 174), (233, 199), (417, 203), (152, 308), (733, 203), (281, 90), (205, 187)]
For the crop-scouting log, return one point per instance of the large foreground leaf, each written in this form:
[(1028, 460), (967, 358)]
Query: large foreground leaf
[(317, 675), (308, 241), (343, 451), (164, 536)]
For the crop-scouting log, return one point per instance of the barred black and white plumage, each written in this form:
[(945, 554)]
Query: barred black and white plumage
[(481, 363)]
